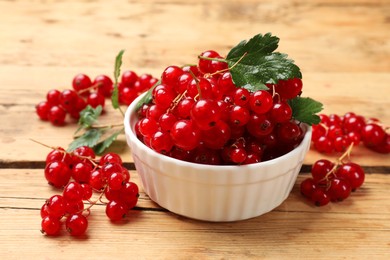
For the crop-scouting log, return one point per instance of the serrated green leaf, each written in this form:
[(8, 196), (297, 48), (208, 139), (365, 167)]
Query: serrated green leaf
[(117, 73), (253, 71), (103, 145), (89, 138), (147, 97), (304, 109), (89, 116), (257, 45)]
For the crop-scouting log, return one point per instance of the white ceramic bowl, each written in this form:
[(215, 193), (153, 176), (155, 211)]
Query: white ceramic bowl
[(214, 193)]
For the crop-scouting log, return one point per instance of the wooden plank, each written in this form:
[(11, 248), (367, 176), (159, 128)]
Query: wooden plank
[(295, 227), (101, 30)]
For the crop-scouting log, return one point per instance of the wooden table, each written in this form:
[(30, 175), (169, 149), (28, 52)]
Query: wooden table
[(342, 47)]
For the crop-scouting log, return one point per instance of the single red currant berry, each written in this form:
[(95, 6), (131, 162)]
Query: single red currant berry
[(335, 131), (155, 112), (217, 136), (288, 131), (241, 96), (354, 138), (87, 191), (81, 82), (259, 125), (84, 151), (76, 224), (239, 115), (317, 132), (148, 127), (238, 155), (353, 173), (200, 87), (372, 134), (73, 192), (42, 110), (166, 121), (56, 206), (53, 97), (339, 189), (127, 95), (205, 66), (44, 210), (335, 120), (96, 99), (260, 102), (281, 112), (308, 186), (104, 85), (115, 180), (185, 135), (288, 89), (171, 75), (161, 142), (353, 123), (321, 169), (50, 226), (129, 78), (226, 84), (184, 108), (341, 143), (116, 210), (110, 158), (56, 115), (319, 197), (57, 173), (129, 194), (81, 172), (323, 145), (68, 99), (96, 180), (73, 207), (383, 147), (205, 113), (163, 96)]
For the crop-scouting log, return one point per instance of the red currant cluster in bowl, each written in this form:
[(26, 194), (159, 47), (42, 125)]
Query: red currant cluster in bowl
[(332, 181), (335, 133), (85, 92), (80, 174), (198, 114)]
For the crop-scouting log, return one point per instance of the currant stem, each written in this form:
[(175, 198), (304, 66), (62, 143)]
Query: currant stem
[(228, 69), (339, 161), (212, 59), (106, 126), (94, 163), (88, 89), (93, 203)]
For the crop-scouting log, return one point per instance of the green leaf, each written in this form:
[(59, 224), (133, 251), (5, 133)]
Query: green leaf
[(254, 63), (103, 145), (89, 138), (147, 97), (258, 45), (117, 72), (253, 72), (305, 109), (89, 116)]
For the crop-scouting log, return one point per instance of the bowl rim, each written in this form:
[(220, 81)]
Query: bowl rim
[(130, 111)]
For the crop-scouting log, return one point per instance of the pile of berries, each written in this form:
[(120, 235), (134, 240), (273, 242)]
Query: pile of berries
[(198, 114), (87, 92), (332, 181), (80, 174), (335, 133)]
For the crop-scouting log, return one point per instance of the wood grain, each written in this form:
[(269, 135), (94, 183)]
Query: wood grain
[(294, 228), (342, 47)]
